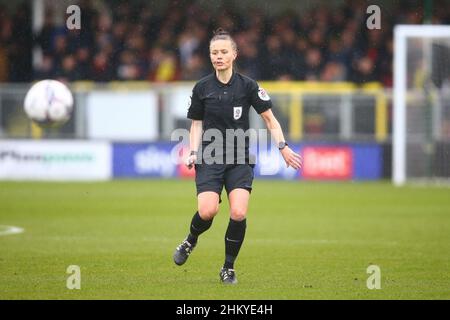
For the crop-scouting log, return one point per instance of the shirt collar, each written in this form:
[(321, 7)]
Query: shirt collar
[(230, 82)]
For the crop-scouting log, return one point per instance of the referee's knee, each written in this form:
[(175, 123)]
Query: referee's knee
[(208, 212), (238, 214)]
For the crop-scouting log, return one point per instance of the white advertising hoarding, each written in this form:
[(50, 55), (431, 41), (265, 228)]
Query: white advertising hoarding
[(179, 101), (55, 160), (122, 116)]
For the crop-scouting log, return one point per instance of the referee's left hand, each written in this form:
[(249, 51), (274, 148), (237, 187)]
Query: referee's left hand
[(292, 159)]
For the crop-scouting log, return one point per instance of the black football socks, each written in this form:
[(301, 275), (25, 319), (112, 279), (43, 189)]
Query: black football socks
[(234, 237), (198, 226)]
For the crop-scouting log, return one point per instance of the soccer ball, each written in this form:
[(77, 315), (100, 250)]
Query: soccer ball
[(49, 103)]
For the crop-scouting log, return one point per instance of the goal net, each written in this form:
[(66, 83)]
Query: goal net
[(421, 123)]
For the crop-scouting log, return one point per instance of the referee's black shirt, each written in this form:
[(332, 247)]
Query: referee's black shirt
[(226, 106)]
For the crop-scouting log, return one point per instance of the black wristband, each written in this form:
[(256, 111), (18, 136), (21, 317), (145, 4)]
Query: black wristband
[(193, 153)]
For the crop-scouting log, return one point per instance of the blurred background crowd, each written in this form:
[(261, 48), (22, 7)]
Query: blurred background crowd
[(119, 41)]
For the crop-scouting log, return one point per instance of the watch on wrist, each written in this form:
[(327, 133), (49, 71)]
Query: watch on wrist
[(282, 144), (193, 153)]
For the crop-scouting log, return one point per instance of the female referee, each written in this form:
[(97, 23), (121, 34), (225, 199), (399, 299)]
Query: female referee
[(221, 101)]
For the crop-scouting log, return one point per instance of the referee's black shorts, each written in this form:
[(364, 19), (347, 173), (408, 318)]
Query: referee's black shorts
[(213, 177)]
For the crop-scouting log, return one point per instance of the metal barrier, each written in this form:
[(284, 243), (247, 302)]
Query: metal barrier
[(307, 111)]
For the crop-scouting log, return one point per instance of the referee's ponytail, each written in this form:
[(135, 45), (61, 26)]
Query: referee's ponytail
[(221, 34)]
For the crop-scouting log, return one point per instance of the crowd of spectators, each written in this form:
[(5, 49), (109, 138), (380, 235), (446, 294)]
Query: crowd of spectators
[(133, 42), (16, 41)]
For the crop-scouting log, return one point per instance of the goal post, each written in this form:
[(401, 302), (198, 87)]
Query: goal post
[(421, 103)]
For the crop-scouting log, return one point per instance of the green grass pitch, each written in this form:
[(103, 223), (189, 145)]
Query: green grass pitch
[(304, 241)]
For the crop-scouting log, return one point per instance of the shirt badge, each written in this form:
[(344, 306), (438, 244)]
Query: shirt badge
[(262, 94), (237, 112)]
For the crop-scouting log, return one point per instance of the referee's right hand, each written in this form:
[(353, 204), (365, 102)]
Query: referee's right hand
[(190, 161)]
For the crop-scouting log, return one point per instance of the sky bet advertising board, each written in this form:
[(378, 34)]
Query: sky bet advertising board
[(337, 162)]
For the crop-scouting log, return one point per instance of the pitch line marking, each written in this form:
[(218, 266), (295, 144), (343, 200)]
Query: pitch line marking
[(8, 230)]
